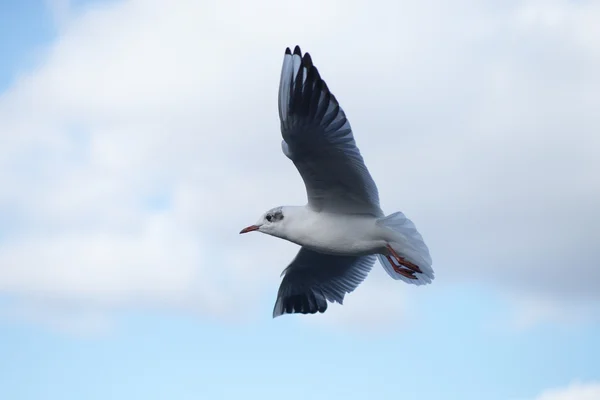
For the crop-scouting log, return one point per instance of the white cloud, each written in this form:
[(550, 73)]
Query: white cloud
[(148, 137), (575, 391)]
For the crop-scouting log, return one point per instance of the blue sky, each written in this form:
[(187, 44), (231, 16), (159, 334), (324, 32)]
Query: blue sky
[(33, 28), (450, 354), (122, 274)]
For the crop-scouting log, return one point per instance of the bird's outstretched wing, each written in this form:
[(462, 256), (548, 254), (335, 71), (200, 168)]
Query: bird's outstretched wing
[(313, 278), (317, 137)]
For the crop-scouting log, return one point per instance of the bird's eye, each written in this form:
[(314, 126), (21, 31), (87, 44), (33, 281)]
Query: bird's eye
[(269, 217)]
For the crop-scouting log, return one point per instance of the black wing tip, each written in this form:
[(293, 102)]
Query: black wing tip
[(325, 89), (307, 61), (298, 304), (313, 74)]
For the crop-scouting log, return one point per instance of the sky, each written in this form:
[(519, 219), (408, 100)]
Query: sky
[(138, 137)]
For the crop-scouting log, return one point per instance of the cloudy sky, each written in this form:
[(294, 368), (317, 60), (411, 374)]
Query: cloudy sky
[(138, 137)]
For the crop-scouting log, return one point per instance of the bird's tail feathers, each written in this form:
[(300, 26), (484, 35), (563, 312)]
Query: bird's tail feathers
[(408, 244)]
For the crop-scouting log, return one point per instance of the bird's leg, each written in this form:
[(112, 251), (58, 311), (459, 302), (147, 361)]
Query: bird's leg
[(402, 261), (404, 272)]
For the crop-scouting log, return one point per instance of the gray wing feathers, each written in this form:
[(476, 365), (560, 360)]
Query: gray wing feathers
[(319, 140), (314, 278)]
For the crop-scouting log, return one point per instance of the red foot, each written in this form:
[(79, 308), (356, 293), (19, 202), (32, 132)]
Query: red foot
[(402, 261), (404, 272)]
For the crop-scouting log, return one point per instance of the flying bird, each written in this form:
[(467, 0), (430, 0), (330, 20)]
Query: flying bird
[(342, 229)]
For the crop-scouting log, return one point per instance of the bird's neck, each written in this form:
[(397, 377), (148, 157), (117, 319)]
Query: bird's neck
[(294, 223)]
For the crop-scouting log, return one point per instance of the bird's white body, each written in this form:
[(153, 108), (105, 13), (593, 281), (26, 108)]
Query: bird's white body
[(335, 234)]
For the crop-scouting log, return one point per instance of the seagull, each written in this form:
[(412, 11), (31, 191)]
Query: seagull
[(341, 229)]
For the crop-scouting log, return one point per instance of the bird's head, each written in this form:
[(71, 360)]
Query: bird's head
[(271, 222)]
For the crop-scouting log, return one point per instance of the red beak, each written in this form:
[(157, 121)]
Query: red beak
[(250, 229)]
